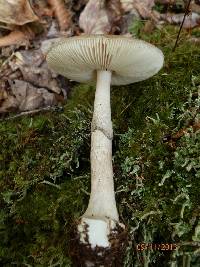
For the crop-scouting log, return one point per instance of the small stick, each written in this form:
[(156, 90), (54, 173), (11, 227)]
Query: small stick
[(29, 112), (186, 13)]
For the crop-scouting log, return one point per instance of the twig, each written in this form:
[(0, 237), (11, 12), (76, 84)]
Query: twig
[(84, 191), (150, 213), (49, 183), (185, 14), (29, 112)]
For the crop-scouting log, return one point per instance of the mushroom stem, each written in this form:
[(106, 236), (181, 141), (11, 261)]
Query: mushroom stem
[(101, 236), (102, 199)]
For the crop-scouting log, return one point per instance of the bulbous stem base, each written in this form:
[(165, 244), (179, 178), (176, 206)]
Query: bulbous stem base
[(99, 242)]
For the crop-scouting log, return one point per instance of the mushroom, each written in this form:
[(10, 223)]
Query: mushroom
[(108, 60)]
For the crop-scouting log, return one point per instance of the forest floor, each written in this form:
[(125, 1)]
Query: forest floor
[(45, 165)]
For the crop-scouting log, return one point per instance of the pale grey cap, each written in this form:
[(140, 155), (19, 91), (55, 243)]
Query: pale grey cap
[(130, 60)]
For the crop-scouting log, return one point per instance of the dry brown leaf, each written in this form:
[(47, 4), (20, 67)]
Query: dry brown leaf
[(128, 5), (17, 12), (143, 7), (195, 8), (30, 66), (17, 37), (12, 38), (32, 58), (94, 18), (35, 70), (79, 4), (3, 92), (191, 21), (7, 102), (149, 26), (62, 14), (115, 13), (41, 8), (29, 97)]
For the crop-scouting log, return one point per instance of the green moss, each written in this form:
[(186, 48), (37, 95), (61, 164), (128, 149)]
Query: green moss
[(45, 168)]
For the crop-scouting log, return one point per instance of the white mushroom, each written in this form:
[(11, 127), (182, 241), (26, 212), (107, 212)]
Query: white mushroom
[(107, 60)]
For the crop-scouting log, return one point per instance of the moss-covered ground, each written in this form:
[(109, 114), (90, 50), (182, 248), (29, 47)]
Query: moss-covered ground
[(45, 168)]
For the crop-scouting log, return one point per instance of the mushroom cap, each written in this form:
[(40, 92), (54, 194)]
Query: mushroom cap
[(130, 60)]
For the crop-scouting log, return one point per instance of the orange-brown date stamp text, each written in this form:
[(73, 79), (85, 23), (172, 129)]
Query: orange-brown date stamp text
[(155, 246)]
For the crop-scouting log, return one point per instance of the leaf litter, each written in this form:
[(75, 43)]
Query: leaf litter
[(29, 28)]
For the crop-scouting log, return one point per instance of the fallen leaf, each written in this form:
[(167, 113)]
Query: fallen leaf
[(191, 21), (17, 37), (143, 7), (94, 18), (3, 92), (128, 5), (78, 5), (17, 12), (29, 58), (7, 102), (62, 14), (149, 26), (29, 97), (35, 70), (195, 8), (9, 105), (42, 9), (115, 12)]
